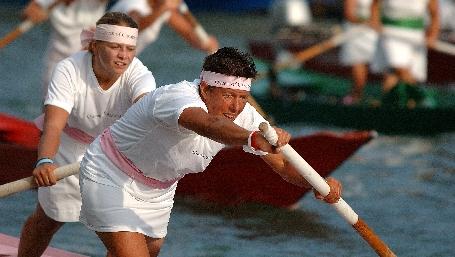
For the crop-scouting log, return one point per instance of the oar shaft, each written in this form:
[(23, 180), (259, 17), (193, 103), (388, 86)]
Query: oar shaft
[(323, 188), (19, 30), (29, 182)]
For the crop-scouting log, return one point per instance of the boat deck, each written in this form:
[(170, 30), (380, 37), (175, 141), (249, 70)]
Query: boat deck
[(9, 245)]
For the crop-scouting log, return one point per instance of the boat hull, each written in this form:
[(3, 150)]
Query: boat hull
[(233, 177)]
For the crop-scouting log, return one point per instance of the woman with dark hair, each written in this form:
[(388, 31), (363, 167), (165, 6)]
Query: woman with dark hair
[(88, 92), (129, 174)]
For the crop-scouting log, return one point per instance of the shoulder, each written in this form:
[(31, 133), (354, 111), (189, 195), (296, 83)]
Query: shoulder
[(74, 63)]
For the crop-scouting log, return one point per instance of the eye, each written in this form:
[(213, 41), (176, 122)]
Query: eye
[(227, 96), (131, 48)]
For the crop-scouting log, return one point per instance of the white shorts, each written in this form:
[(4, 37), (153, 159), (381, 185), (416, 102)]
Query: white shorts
[(112, 201), (402, 48), (360, 48), (62, 202)]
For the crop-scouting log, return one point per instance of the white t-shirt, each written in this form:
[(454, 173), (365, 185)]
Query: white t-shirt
[(75, 89), (149, 134), (150, 34)]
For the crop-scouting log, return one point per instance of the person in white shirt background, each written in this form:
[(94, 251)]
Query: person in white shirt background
[(151, 15), (358, 51), (407, 28), (88, 91)]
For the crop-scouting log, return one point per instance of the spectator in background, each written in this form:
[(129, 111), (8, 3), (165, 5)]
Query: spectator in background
[(152, 14), (358, 50), (402, 52)]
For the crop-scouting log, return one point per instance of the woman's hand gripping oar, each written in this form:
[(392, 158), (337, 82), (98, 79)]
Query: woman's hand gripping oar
[(29, 182), (323, 188)]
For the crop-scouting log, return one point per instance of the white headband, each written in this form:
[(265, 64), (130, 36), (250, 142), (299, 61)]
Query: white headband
[(116, 34), (221, 80)]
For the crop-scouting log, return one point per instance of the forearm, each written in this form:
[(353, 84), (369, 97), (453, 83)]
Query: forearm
[(286, 170), (49, 142), (224, 131)]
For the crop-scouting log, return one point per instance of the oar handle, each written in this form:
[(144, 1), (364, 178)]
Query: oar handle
[(29, 182), (323, 188)]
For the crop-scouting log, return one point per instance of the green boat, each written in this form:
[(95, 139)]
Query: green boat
[(299, 95)]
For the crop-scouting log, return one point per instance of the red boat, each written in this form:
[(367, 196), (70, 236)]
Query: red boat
[(232, 178)]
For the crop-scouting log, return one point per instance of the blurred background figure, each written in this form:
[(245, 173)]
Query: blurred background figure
[(152, 14), (447, 12), (358, 51), (405, 35), (67, 19)]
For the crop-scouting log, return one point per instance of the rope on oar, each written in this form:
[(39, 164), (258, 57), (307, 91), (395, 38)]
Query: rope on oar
[(198, 29), (29, 182), (323, 188), (19, 30)]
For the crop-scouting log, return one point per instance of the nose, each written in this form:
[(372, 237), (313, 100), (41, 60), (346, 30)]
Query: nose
[(122, 53)]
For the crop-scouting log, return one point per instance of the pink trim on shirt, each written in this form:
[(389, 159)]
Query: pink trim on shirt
[(74, 133), (126, 165)]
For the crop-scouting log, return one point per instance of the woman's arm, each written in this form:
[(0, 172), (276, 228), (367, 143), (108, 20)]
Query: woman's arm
[(55, 119)]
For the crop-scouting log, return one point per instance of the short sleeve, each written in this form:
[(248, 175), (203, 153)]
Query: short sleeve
[(174, 100), (140, 79), (61, 92)]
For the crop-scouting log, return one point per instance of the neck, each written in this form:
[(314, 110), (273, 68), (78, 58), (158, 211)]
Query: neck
[(104, 78)]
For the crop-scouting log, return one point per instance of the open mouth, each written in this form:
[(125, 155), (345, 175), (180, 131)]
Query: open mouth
[(229, 116)]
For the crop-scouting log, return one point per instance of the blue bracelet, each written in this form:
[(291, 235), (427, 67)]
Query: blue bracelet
[(43, 161)]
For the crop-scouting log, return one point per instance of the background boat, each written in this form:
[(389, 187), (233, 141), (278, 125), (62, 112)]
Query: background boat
[(232, 178), (300, 95)]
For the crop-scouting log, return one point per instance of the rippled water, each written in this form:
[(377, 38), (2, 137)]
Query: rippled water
[(401, 186)]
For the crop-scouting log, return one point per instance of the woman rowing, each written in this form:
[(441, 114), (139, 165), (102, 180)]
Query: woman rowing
[(129, 174), (88, 92)]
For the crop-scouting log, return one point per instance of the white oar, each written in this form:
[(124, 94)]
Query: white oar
[(29, 182), (323, 188)]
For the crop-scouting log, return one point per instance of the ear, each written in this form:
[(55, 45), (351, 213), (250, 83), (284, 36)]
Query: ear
[(204, 89)]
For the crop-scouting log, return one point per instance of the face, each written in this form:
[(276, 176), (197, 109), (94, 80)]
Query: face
[(224, 101), (112, 59)]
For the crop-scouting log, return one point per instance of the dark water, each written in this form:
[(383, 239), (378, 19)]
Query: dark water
[(401, 186)]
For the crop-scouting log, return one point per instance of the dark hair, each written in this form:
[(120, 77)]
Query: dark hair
[(117, 18), (232, 62)]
